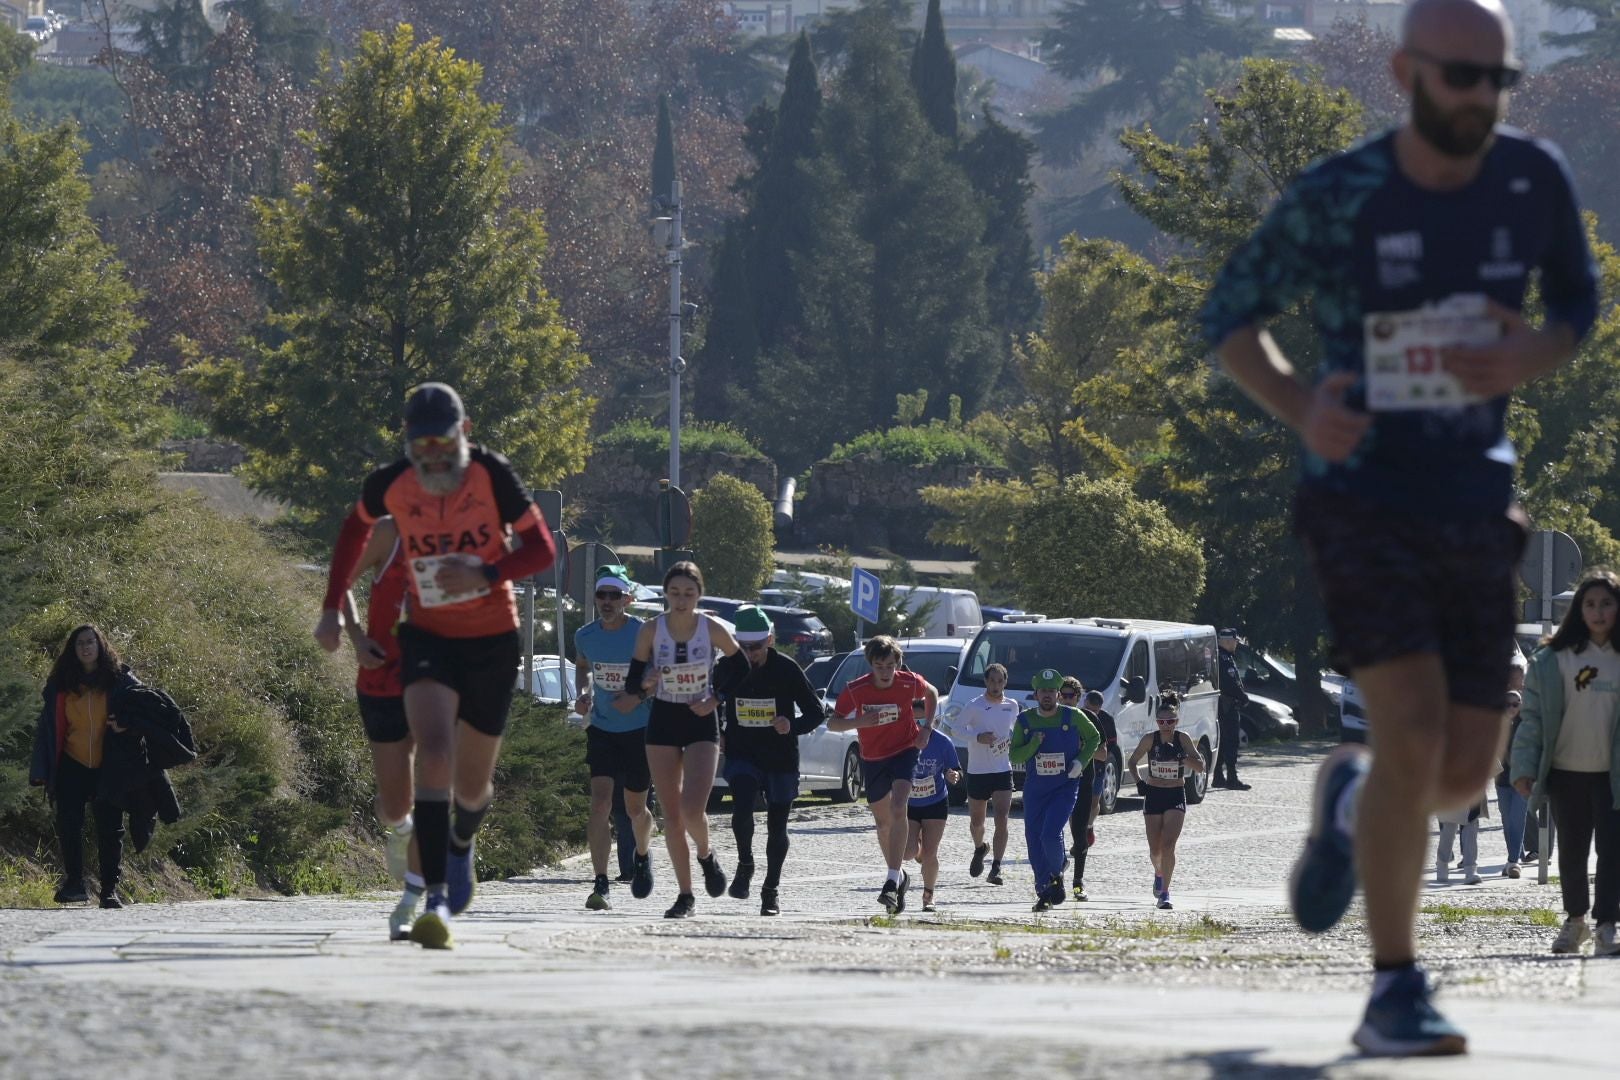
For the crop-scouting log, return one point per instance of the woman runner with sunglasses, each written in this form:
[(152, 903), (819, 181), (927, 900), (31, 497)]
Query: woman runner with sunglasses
[(1164, 791)]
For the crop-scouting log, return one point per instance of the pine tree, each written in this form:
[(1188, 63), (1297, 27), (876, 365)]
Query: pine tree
[(933, 73), (663, 163)]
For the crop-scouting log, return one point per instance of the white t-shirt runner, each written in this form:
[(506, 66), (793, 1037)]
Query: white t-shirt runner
[(979, 716)]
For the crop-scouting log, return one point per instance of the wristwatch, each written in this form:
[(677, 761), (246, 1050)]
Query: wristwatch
[(491, 572)]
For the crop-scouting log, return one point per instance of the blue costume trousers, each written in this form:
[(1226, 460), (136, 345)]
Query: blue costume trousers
[(1048, 802)]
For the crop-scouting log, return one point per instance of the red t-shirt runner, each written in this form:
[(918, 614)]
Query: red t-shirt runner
[(898, 728)]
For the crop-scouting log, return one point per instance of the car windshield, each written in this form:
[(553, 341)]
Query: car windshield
[(1281, 665), (933, 666), (1091, 658)]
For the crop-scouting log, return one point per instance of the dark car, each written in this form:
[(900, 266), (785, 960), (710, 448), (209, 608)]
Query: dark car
[(822, 669), (799, 633)]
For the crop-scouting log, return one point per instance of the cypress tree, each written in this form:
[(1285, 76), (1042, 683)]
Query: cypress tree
[(663, 163), (933, 73), (997, 160)]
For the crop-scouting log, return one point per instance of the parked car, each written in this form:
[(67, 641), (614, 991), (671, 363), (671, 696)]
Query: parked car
[(1273, 677), (799, 633), (822, 669), (940, 613), (553, 682), (998, 614), (1265, 718), (935, 659)]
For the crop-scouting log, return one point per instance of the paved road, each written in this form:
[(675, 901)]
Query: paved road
[(1223, 986)]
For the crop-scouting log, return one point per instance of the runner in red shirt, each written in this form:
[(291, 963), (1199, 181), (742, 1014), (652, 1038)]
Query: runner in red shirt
[(468, 529), (878, 707)]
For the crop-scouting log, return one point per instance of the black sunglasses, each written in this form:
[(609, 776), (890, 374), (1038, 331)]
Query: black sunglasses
[(1465, 74), (752, 646), (604, 595)]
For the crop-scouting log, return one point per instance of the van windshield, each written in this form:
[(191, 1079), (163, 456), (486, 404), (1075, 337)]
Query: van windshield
[(1091, 658)]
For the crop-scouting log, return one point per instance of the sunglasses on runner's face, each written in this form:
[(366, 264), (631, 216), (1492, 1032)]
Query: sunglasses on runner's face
[(432, 442), (1068, 693), (603, 594), (752, 646), (1169, 720), (1465, 75)]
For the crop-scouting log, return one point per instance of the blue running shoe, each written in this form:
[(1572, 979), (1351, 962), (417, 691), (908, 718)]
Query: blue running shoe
[(1401, 1022), (1324, 879), (1158, 886), (460, 878)]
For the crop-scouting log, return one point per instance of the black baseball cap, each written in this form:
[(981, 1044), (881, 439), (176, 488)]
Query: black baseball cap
[(432, 409), (1230, 631)]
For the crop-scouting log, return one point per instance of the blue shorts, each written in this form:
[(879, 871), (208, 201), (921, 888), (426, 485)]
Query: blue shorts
[(879, 777), (780, 787)]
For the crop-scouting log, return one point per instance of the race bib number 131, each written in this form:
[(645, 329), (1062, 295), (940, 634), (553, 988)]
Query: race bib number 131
[(1404, 370)]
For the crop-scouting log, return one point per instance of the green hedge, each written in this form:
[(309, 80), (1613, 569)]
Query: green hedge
[(648, 443), (936, 443)]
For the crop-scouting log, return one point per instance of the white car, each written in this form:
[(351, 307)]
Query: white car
[(552, 677)]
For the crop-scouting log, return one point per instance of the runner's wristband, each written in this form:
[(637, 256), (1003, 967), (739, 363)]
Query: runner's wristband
[(633, 677)]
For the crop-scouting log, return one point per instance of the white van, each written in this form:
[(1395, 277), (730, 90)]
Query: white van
[(1128, 660), (952, 613)]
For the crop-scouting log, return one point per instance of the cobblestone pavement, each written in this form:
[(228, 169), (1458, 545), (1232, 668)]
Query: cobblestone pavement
[(1222, 986)]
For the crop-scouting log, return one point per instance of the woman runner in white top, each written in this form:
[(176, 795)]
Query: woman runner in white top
[(674, 663)]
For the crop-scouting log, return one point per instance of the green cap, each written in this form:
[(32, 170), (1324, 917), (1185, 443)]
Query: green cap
[(615, 575), (752, 623), (1047, 679)]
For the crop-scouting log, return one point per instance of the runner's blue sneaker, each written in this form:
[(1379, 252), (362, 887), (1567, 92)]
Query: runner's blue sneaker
[(1401, 1022), (1324, 879), (460, 878)]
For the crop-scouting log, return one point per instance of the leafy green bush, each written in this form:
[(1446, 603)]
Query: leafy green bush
[(934, 443), (648, 443), (542, 793), (731, 537)]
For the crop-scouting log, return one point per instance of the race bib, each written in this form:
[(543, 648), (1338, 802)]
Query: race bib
[(1164, 770), (684, 680), (756, 712), (425, 570), (923, 787), (609, 678), (1052, 764), (1403, 353), (881, 714)]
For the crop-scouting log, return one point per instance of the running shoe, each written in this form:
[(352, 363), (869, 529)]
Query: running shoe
[(976, 864), (928, 899), (767, 902), (459, 878), (888, 897), (1164, 902), (1055, 892), (626, 877), (1080, 893), (714, 878), (1402, 1022), (1473, 878), (1511, 870), (1158, 886), (994, 876), (741, 880), (70, 893), (683, 907), (397, 847), (900, 893), (1042, 905), (1603, 942), (1571, 937), (401, 918), (431, 930), (1324, 879), (111, 902), (598, 900), (641, 884), (1235, 784)]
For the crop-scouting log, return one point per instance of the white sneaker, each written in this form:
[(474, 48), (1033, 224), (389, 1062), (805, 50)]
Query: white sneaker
[(1604, 943), (401, 918), (1511, 870), (1572, 936), (397, 845), (1473, 878)]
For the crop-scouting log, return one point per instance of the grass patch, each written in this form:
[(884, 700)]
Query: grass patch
[(1452, 914), (25, 884)]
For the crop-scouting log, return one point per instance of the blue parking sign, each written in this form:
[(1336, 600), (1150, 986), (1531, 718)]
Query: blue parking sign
[(863, 595)]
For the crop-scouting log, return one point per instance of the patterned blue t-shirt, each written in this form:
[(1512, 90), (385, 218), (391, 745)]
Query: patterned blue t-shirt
[(1359, 238)]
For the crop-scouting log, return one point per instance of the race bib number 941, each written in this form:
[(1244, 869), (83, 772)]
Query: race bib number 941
[(1404, 370)]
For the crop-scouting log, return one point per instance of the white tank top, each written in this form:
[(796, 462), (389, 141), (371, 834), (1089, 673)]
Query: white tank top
[(683, 667)]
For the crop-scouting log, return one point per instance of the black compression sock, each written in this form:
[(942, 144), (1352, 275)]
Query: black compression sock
[(432, 840), (466, 826)]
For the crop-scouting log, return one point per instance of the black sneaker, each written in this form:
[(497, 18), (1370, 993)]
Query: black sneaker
[(626, 877), (976, 866), (1042, 905), (994, 876), (1403, 1022), (683, 907), (70, 893), (598, 900), (739, 881), (1055, 893), (714, 878), (111, 901), (641, 882), (767, 902), (900, 893), (1237, 785), (887, 897)]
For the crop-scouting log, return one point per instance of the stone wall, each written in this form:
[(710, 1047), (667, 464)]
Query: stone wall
[(204, 456), (619, 496), (866, 505)]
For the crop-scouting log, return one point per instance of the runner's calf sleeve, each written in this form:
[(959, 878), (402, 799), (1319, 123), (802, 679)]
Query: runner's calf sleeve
[(776, 841), (466, 825), (433, 836)]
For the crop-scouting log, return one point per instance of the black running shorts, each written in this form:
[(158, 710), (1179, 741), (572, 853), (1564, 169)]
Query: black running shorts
[(483, 670)]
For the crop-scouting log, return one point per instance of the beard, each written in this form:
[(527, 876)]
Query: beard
[(1461, 133), (447, 481)]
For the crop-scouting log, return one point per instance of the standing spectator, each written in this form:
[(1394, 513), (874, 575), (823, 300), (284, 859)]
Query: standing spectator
[(1464, 822), (69, 742), (1567, 751), (1233, 698), (1509, 803)]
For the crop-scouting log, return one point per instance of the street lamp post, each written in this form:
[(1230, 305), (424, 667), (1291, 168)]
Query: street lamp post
[(672, 256)]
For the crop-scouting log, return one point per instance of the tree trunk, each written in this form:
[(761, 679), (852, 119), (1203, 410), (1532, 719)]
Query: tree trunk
[(1308, 621)]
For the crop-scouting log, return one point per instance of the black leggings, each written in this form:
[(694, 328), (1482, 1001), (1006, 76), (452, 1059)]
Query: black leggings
[(75, 786), (1583, 808), (744, 790), (1080, 821)]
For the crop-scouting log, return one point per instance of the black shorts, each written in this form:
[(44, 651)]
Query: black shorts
[(383, 718), (619, 754), (1158, 800), (1396, 585), (983, 785), (879, 777), (671, 724), (482, 670), (938, 810)]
